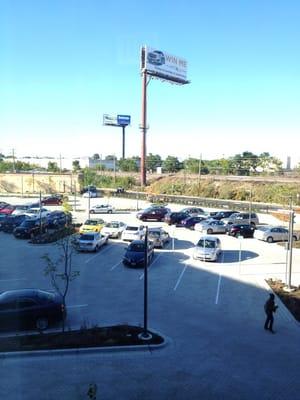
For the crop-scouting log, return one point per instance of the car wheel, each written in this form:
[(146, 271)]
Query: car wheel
[(209, 231), (96, 249), (92, 212), (270, 239), (109, 211), (295, 238), (237, 235), (42, 323)]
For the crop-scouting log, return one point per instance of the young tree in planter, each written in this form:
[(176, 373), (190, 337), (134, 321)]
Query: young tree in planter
[(60, 270)]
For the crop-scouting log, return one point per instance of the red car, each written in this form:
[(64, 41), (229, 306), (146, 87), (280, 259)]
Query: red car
[(52, 201), (7, 210)]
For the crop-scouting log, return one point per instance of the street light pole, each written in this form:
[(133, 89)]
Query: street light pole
[(145, 335), (250, 205)]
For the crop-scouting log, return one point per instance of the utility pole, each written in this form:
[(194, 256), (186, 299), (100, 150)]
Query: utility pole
[(13, 157), (144, 128), (290, 246)]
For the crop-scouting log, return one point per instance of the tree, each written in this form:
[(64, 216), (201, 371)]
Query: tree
[(153, 161), (52, 166), (171, 164), (96, 156), (60, 271), (76, 166), (128, 165)]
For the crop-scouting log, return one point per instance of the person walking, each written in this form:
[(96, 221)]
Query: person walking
[(270, 307)]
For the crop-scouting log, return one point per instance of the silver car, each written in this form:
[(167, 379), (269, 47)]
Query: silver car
[(113, 229), (210, 226), (207, 248), (158, 236), (273, 234)]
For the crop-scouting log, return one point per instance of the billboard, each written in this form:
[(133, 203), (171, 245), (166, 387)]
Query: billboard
[(110, 120), (163, 65), (123, 120)]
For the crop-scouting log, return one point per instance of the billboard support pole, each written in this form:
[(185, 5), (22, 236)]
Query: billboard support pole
[(123, 142), (144, 128)]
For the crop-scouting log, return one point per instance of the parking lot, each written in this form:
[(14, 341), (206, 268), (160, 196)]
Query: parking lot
[(212, 314)]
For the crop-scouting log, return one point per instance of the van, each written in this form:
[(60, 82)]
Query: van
[(242, 218)]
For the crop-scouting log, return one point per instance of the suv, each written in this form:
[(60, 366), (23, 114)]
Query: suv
[(223, 214), (242, 218), (238, 230), (153, 214), (31, 227)]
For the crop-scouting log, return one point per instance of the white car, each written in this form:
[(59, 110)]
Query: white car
[(89, 194), (91, 241), (102, 208), (210, 226), (208, 248), (273, 233), (113, 229), (133, 232), (37, 212)]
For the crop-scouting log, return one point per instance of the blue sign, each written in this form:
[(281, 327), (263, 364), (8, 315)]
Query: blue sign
[(123, 120)]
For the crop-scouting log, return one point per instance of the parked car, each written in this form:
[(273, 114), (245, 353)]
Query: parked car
[(57, 219), (3, 204), (92, 225), (7, 209), (210, 226), (190, 222), (133, 232), (89, 194), (113, 229), (237, 230), (91, 241), (37, 212), (242, 217), (24, 308), (11, 222), (223, 214), (273, 234), (193, 211), (135, 254), (2, 219), (176, 217), (158, 236), (55, 200), (102, 209), (89, 188), (153, 214), (30, 227), (208, 248), (22, 208)]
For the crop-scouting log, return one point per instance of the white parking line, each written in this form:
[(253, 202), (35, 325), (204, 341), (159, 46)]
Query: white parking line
[(96, 255), (115, 266), (78, 305), (17, 279), (153, 262), (218, 289), (180, 277)]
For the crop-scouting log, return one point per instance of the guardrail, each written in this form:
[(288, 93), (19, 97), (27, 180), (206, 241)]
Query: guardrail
[(201, 201)]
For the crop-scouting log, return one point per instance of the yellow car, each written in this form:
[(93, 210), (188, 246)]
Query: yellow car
[(92, 225)]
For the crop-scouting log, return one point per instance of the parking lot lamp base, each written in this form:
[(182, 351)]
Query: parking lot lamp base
[(145, 336)]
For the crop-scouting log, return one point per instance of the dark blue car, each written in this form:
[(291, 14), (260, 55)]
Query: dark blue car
[(10, 222), (135, 254)]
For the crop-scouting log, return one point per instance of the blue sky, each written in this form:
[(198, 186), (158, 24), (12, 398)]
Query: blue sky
[(63, 64)]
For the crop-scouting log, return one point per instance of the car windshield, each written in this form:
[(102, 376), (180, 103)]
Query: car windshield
[(91, 222), (132, 228), (87, 237), (206, 243), (138, 247), (154, 234), (112, 225)]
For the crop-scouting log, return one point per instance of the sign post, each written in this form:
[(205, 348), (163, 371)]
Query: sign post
[(118, 121)]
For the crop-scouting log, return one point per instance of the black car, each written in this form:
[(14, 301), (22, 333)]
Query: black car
[(135, 253), (153, 214), (89, 188), (58, 219), (244, 230), (11, 222), (30, 228), (26, 308), (176, 217), (223, 214), (190, 222)]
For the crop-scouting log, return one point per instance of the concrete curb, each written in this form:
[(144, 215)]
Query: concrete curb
[(88, 350)]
